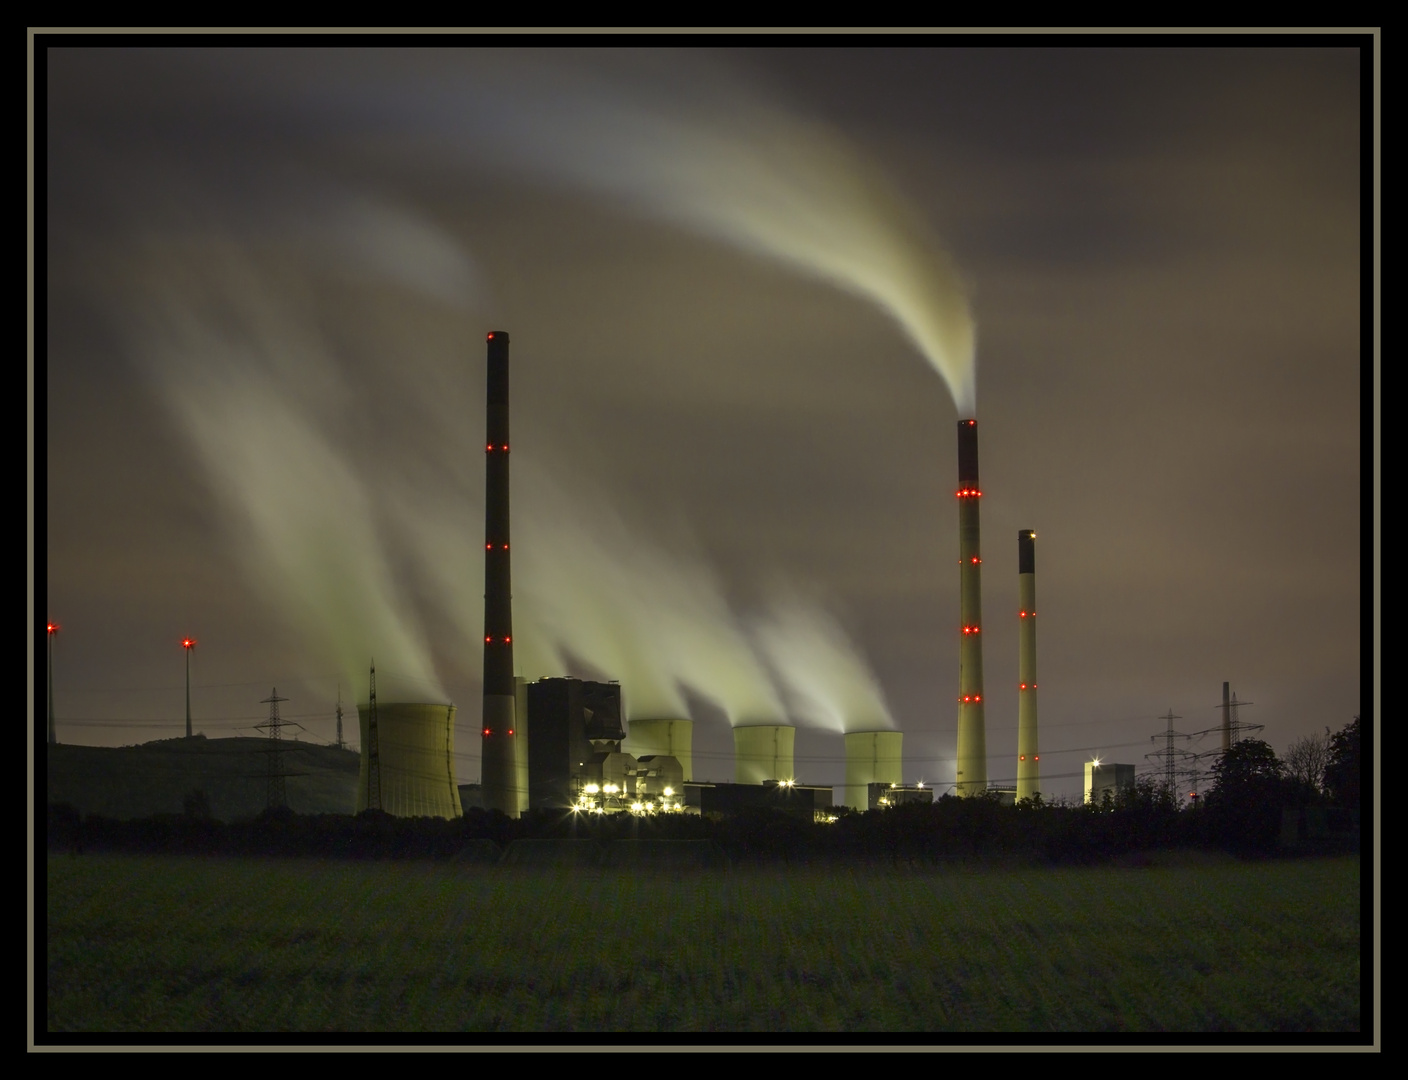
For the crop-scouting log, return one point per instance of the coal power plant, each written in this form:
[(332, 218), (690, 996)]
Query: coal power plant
[(563, 743)]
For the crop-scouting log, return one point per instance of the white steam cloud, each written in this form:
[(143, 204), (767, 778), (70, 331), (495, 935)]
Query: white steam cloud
[(366, 543)]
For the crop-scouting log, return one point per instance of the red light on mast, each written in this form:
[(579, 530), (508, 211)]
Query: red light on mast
[(188, 643), (53, 628)]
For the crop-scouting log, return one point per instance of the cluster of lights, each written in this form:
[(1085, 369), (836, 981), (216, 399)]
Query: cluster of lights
[(963, 493), (490, 547), (1023, 757), (972, 629), (594, 797), (489, 639), (489, 448), (490, 731), (1024, 686), (971, 697), (975, 560), (1027, 614)]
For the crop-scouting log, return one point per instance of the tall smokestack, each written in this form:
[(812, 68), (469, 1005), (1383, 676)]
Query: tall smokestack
[(499, 776), (1028, 769), (972, 731)]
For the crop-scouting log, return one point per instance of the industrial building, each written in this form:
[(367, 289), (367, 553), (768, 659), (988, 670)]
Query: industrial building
[(1101, 777), (412, 771), (884, 796), (575, 756), (724, 800)]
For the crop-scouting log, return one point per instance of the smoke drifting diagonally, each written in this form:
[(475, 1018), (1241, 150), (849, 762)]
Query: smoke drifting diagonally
[(694, 145)]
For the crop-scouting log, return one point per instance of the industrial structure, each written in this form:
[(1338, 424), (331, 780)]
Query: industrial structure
[(872, 758), (972, 763), (763, 752), (673, 738), (412, 773), (1028, 752), (885, 796), (498, 748), (1102, 777)]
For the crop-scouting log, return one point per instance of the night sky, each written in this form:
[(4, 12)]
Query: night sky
[(749, 295)]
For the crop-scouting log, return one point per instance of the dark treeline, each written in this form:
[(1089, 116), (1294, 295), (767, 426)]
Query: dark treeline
[(1252, 809)]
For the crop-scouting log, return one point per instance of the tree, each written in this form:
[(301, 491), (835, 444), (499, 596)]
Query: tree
[(1306, 761), (1342, 770), (1248, 792)]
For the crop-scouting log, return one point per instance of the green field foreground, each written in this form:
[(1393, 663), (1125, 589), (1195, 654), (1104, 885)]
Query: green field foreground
[(168, 944)]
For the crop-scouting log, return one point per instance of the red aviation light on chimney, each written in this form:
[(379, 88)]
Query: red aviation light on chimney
[(53, 628), (972, 629), (487, 732)]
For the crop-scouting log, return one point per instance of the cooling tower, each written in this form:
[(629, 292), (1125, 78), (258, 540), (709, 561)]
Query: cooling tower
[(499, 774), (673, 738), (972, 765), (872, 757), (763, 753), (416, 749), (1028, 756)]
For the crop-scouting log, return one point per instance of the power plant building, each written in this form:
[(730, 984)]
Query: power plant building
[(674, 738), (415, 759), (1101, 777)]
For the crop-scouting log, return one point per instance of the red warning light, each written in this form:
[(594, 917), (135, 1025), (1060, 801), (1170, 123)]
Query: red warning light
[(489, 449), (976, 560), (510, 731), (53, 627), (188, 643), (1036, 757), (508, 641), (490, 336), (977, 697), (488, 640), (487, 732), (1021, 757)]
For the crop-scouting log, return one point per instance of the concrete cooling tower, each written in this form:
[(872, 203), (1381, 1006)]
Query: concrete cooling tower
[(415, 759), (763, 753), (672, 738), (872, 757)]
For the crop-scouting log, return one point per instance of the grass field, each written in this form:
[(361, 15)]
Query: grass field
[(167, 944)]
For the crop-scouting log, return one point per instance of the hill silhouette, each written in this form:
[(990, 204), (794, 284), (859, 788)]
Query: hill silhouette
[(155, 777)]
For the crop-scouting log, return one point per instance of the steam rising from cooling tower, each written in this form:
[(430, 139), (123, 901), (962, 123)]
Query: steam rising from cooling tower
[(246, 313)]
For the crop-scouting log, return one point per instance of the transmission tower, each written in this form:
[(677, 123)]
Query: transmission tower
[(340, 744), (277, 793), (1170, 756), (373, 756)]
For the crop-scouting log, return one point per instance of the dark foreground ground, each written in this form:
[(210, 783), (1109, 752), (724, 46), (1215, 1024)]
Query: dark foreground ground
[(1185, 942)]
